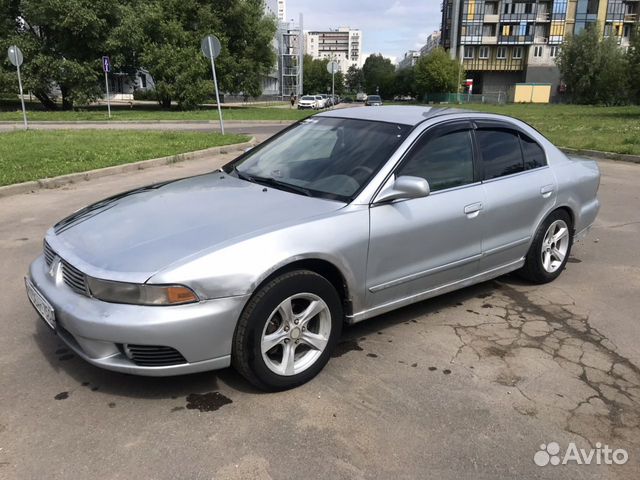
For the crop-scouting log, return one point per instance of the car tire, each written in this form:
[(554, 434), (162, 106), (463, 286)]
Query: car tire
[(550, 249), (277, 315)]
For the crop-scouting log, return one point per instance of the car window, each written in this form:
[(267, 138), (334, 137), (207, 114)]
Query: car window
[(534, 156), (501, 153), (445, 161), (330, 157)]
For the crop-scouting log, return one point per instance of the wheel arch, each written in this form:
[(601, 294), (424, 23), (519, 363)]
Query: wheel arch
[(322, 267)]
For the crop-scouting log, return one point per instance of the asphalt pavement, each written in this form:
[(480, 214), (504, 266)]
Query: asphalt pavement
[(467, 385)]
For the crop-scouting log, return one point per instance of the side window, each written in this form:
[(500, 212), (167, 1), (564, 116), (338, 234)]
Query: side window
[(501, 154), (534, 156), (445, 161)]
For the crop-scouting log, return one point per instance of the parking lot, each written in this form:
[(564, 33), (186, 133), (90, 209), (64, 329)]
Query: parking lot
[(467, 385)]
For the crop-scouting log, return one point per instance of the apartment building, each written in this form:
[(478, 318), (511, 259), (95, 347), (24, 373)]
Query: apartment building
[(433, 42), (503, 42), (409, 60), (344, 45)]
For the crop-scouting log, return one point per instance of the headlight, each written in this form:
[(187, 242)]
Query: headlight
[(135, 294)]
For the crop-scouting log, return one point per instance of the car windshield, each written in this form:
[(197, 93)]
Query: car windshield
[(374, 98), (307, 98), (322, 156)]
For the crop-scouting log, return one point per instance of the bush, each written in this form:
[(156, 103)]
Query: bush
[(145, 95)]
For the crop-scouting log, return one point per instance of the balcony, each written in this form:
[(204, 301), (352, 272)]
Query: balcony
[(539, 40), (490, 40), (518, 17), (491, 18), (515, 39), (543, 17), (631, 17)]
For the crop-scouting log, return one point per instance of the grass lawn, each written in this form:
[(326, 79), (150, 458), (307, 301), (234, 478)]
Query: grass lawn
[(33, 155), (607, 129), (9, 111)]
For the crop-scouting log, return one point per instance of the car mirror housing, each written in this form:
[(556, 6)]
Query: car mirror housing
[(404, 187)]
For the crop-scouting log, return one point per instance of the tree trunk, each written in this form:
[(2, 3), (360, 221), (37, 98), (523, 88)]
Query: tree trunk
[(166, 103), (45, 100), (67, 104)]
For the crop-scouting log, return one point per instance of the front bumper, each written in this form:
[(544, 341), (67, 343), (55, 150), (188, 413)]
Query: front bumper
[(96, 331)]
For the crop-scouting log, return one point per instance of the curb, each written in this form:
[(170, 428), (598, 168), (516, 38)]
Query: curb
[(598, 155), (56, 182)]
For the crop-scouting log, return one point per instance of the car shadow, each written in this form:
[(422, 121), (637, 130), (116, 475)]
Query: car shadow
[(61, 358)]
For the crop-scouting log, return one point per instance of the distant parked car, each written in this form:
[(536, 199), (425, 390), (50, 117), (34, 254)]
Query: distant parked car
[(373, 101), (361, 97), (342, 217), (308, 102), (321, 102)]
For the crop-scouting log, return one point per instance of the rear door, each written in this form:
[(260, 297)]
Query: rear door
[(519, 189), (420, 244)]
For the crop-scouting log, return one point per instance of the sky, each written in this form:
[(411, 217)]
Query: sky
[(390, 27)]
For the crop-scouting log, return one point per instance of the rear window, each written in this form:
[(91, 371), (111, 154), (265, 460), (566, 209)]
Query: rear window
[(533, 153), (501, 153), (374, 98)]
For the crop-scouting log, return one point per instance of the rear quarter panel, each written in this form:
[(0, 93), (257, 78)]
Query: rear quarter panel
[(578, 182)]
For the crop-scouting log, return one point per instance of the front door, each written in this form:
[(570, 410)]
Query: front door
[(418, 245)]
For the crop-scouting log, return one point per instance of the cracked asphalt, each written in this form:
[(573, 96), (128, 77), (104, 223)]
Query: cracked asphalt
[(467, 385)]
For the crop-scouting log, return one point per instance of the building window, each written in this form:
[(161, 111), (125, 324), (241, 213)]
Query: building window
[(468, 52), (483, 52), (537, 52), (501, 53), (517, 52), (553, 51)]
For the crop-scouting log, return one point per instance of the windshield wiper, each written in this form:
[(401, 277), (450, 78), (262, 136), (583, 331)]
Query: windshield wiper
[(272, 182), (243, 176)]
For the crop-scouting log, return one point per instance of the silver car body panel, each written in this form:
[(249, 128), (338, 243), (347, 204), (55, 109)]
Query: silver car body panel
[(223, 237)]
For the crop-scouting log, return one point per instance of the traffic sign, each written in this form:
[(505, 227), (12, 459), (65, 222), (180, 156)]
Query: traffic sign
[(106, 64), (15, 56), (333, 67), (210, 47)]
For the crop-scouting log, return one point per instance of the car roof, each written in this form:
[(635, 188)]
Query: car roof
[(402, 114)]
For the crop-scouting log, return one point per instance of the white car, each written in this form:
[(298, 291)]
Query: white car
[(322, 102), (308, 102)]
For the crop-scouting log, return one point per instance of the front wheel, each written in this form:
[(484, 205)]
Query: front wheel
[(287, 331), (549, 250)]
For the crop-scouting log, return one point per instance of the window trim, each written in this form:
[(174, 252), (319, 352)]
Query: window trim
[(447, 127), (482, 124)]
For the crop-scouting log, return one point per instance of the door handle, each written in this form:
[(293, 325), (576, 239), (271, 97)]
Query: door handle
[(547, 190), (473, 209)]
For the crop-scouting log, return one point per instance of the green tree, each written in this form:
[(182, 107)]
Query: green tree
[(406, 81), (633, 62), (379, 75), (594, 70), (316, 78), (62, 43), (354, 79), (437, 72), (163, 36)]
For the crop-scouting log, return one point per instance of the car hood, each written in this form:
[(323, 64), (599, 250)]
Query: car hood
[(133, 235)]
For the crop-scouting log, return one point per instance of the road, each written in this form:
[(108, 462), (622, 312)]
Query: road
[(468, 385)]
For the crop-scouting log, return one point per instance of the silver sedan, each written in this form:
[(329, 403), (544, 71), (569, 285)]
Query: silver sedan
[(343, 216)]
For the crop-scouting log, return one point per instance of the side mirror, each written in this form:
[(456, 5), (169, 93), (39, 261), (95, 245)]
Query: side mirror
[(403, 188)]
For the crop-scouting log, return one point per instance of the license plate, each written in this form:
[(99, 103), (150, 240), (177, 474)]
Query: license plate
[(41, 304)]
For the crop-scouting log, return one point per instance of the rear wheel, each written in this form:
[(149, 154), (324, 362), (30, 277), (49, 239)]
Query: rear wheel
[(550, 249), (287, 331)]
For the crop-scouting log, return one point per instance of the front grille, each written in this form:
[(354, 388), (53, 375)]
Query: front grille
[(153, 355), (49, 254), (74, 278)]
